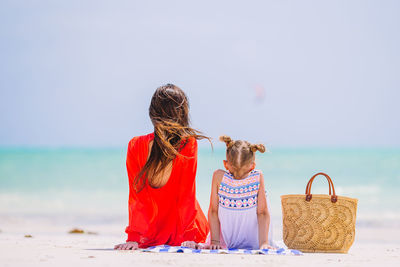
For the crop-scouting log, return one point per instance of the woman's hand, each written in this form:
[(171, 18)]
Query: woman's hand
[(193, 245), (127, 246), (266, 246), (189, 244)]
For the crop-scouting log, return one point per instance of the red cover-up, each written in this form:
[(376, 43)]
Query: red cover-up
[(170, 214)]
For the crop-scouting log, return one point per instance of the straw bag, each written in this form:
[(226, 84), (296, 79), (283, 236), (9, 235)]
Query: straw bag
[(319, 223)]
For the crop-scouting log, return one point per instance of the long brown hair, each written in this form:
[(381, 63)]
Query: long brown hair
[(169, 113)]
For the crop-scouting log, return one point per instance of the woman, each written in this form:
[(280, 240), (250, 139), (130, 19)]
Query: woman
[(161, 168)]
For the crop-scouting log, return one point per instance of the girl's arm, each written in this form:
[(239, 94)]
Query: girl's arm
[(213, 210), (263, 216)]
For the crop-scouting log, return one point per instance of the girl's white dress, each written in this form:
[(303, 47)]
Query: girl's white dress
[(237, 211)]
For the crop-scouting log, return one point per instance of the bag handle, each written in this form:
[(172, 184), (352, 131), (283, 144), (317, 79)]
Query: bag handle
[(309, 184), (308, 190)]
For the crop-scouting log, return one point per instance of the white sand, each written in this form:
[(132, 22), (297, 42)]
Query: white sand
[(51, 245)]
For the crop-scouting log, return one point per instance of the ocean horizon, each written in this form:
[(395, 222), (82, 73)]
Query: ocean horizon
[(90, 185)]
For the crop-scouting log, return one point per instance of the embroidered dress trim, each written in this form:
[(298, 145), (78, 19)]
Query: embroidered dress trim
[(239, 194)]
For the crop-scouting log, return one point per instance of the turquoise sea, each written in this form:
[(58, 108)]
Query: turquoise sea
[(91, 184)]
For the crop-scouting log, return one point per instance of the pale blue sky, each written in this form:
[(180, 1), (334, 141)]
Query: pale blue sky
[(81, 73)]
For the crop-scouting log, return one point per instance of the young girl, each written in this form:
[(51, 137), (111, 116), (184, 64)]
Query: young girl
[(238, 214)]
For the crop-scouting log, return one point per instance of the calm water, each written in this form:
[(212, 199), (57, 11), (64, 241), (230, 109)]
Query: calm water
[(92, 183)]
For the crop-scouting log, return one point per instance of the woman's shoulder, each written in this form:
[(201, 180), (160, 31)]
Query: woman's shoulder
[(142, 139), (189, 146), (191, 141)]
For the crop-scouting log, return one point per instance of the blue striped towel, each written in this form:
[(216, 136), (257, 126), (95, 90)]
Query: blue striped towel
[(170, 249)]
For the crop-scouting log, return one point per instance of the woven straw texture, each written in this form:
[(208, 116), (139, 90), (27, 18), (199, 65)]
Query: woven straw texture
[(319, 225)]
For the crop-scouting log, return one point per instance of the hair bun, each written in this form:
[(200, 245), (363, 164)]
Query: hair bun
[(228, 141), (257, 147)]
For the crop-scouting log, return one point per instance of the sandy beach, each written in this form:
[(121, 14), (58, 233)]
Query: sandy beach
[(52, 245)]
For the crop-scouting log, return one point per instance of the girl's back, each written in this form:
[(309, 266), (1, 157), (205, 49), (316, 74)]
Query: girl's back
[(238, 210)]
